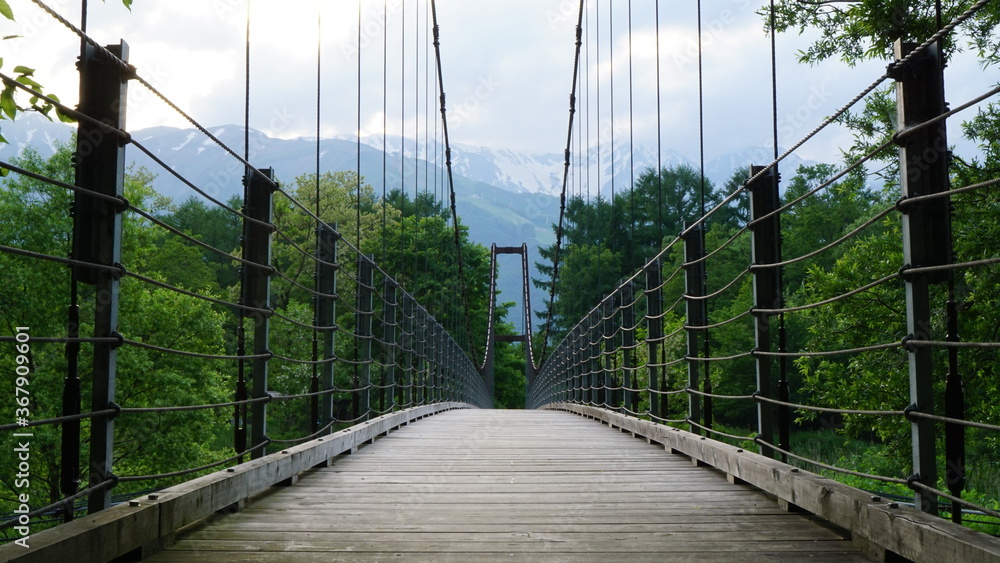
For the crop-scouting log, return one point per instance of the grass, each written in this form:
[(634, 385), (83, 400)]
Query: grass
[(877, 459)]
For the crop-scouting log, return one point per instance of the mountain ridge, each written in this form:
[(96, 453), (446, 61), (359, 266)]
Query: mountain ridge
[(503, 196)]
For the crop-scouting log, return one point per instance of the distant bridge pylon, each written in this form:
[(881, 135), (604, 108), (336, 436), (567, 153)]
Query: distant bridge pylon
[(488, 367)]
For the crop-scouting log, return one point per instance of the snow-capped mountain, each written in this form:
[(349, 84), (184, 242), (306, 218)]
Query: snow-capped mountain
[(532, 172), (599, 170), (503, 196), (32, 131)]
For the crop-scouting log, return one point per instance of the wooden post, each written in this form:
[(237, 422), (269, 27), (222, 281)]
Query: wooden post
[(923, 157), (326, 313), (435, 362), (654, 336), (766, 234), (631, 399), (594, 350), (584, 375), (366, 287), (608, 379), (580, 364), (409, 346), (97, 238), (389, 334), (257, 293), (420, 335), (696, 311)]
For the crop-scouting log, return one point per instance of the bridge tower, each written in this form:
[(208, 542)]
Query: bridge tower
[(530, 367)]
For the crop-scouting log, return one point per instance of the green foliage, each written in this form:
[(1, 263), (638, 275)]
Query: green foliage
[(879, 380), (339, 194), (420, 252), (871, 381), (9, 95), (607, 241), (163, 442), (9, 106), (859, 31), (823, 218), (865, 30), (509, 381), (212, 225), (34, 293), (410, 239)]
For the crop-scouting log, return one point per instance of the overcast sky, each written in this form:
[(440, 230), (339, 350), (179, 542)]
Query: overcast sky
[(507, 68)]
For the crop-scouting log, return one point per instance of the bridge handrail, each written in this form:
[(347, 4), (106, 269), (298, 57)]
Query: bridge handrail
[(401, 337), (873, 522), (146, 524), (593, 363)]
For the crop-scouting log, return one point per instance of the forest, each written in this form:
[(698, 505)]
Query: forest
[(411, 236), (604, 241), (848, 209)]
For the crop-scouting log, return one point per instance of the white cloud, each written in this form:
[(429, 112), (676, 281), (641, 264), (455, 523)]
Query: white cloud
[(507, 66)]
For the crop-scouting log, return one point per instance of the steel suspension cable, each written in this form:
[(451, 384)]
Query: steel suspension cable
[(357, 169), (585, 136), (451, 181), (550, 312), (701, 199), (782, 331), (314, 383), (402, 141), (611, 80), (659, 135), (385, 118), (631, 146)]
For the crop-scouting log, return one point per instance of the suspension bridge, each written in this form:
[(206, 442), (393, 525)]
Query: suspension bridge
[(357, 417)]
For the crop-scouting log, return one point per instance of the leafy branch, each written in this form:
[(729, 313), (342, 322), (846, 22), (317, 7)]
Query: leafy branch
[(9, 107)]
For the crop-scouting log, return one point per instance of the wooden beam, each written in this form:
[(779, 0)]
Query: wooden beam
[(904, 531), (144, 523)]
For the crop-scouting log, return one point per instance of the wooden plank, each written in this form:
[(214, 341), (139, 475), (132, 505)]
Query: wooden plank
[(308, 523), (382, 537), (465, 557), (102, 536), (621, 544), (123, 529), (910, 533), (513, 485)]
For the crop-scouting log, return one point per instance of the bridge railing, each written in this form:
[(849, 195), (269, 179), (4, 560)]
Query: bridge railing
[(666, 347), (218, 376)]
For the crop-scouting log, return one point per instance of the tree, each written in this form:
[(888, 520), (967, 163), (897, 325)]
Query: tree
[(35, 216), (212, 225), (410, 239), (421, 251), (867, 30), (822, 218), (878, 380), (10, 94), (607, 241)]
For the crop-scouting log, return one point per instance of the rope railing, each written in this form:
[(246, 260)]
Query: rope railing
[(369, 358), (849, 301), (392, 347)]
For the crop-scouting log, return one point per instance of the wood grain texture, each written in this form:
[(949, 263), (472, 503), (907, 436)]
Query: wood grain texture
[(873, 522), (144, 524), (471, 486)]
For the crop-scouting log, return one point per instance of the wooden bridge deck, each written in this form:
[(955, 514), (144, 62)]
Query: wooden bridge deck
[(513, 486)]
